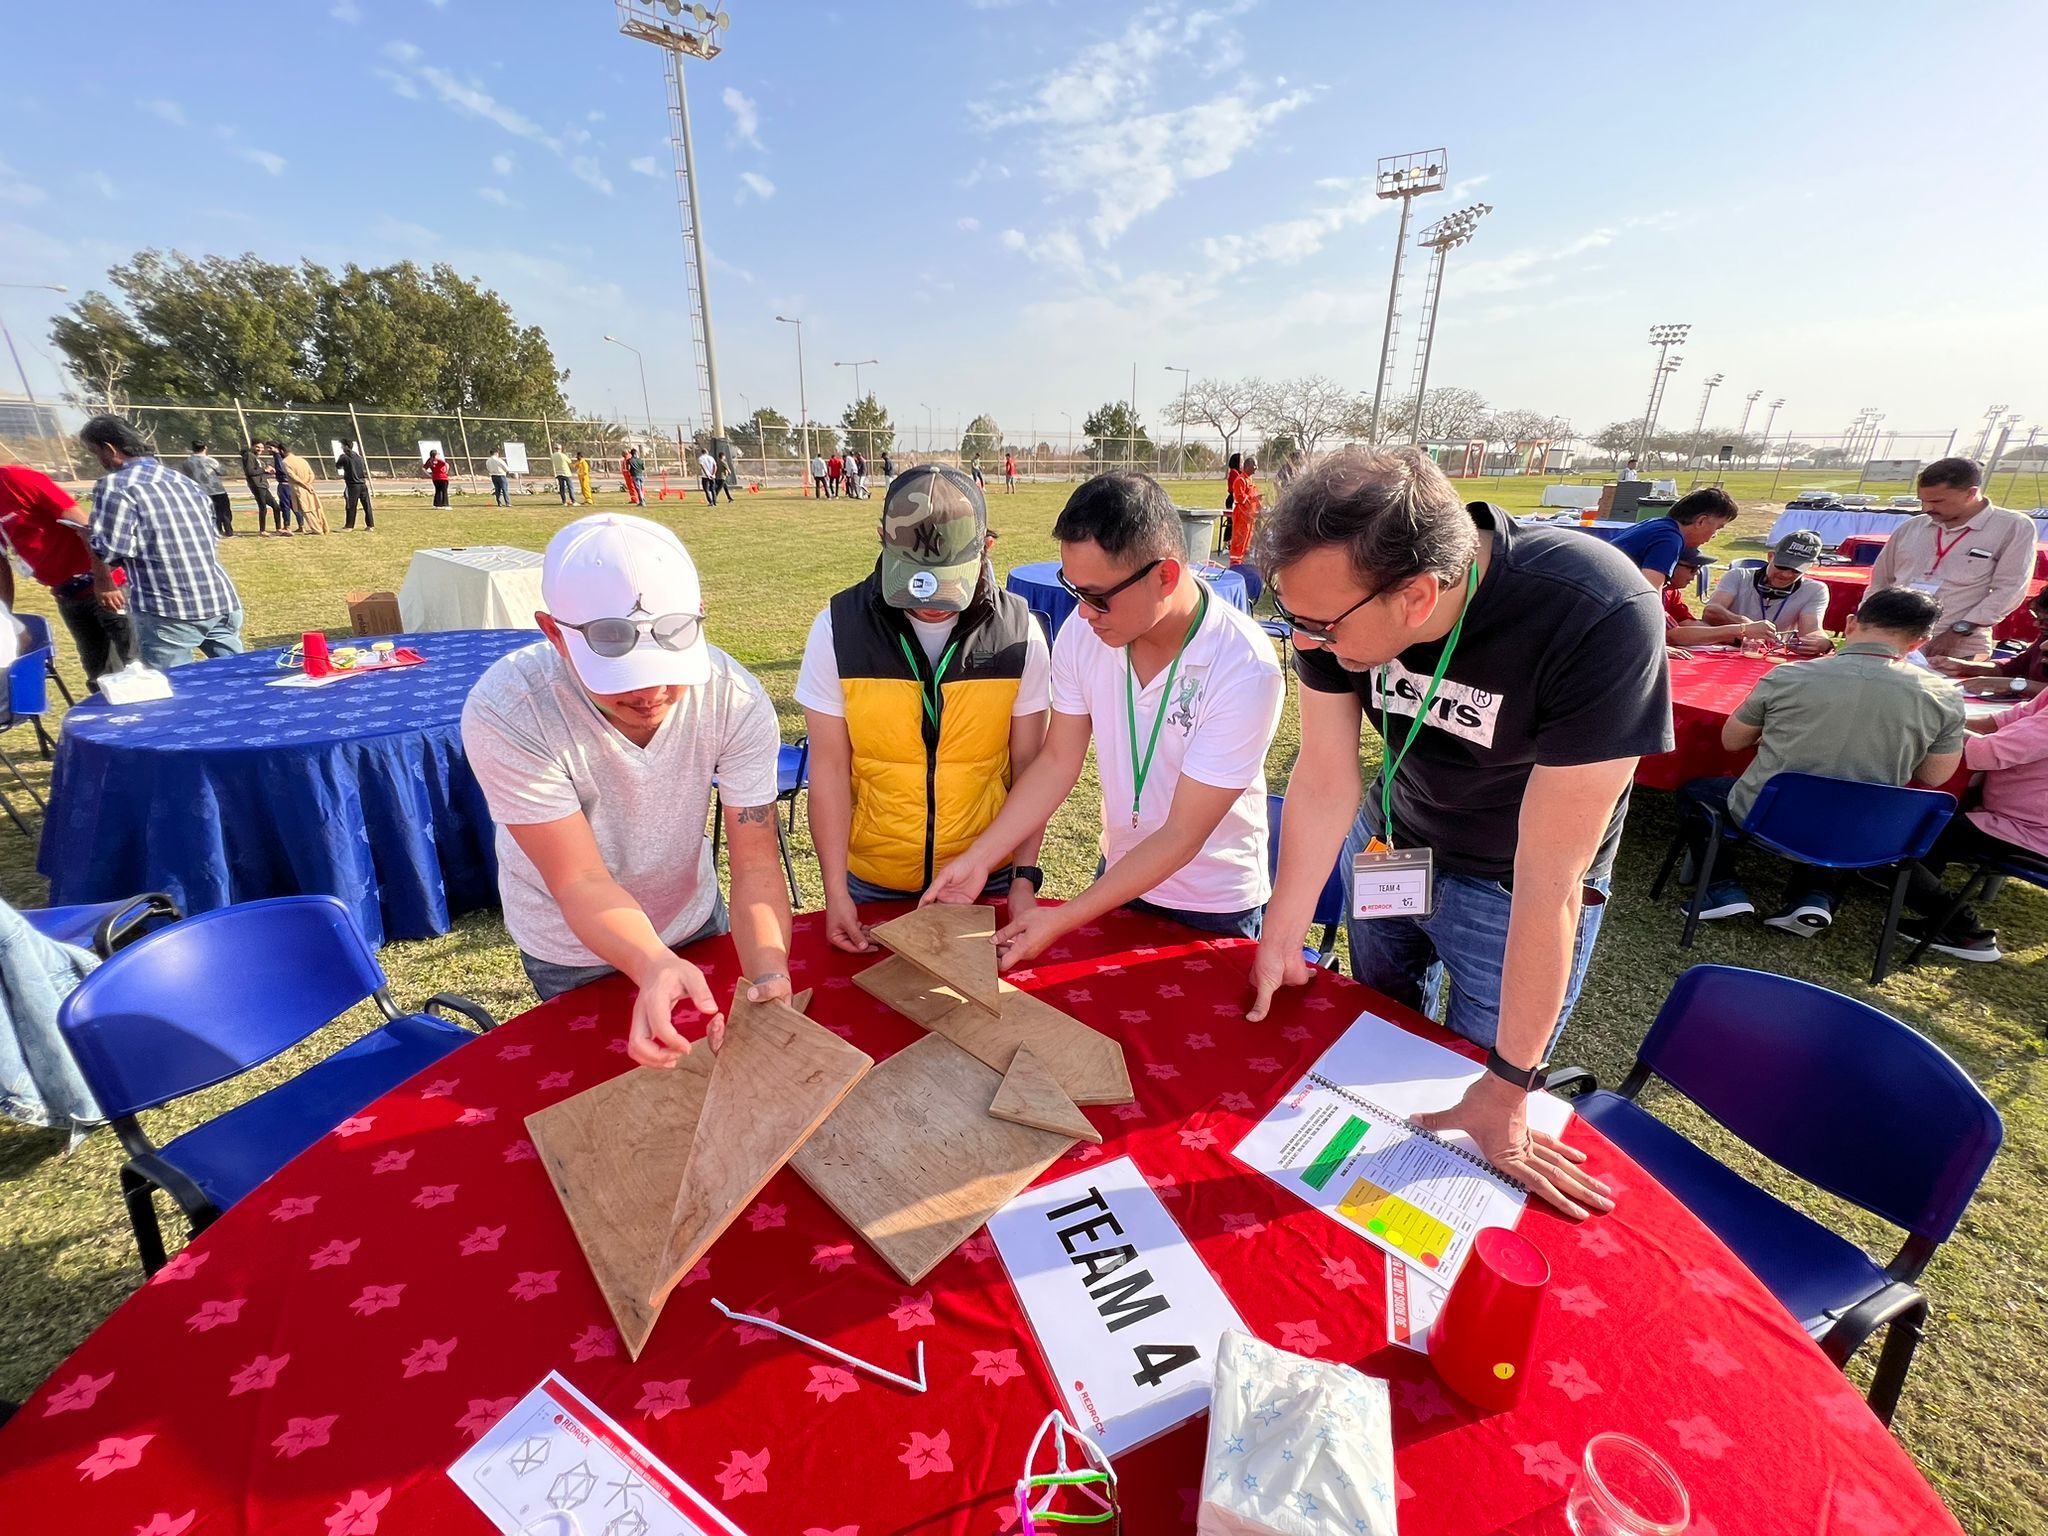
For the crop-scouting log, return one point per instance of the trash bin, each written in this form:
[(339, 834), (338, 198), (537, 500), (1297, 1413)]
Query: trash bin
[(1198, 532)]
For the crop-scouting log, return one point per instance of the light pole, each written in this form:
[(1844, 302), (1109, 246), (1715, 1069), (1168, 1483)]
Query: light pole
[(646, 410), (1181, 460), (803, 407), (1771, 417), (19, 370), (1440, 239), (1984, 437), (1657, 388), (1869, 448), (1663, 338), (1406, 177), (858, 396), (1998, 448), (1748, 404), (1699, 426), (931, 434)]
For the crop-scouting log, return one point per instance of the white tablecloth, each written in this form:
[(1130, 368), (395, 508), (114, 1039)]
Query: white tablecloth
[(486, 586), (1833, 527)]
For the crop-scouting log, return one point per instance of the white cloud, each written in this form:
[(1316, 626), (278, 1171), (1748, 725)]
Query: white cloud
[(593, 116), (273, 163), (502, 164), (169, 111), (746, 117), (499, 196), (1525, 268), (985, 170), (404, 52), (646, 165), (757, 184), (1013, 240), (718, 263), (1469, 185), (970, 224), (400, 84), (346, 11), (466, 96), (586, 170), (15, 191), (104, 185), (1292, 240)]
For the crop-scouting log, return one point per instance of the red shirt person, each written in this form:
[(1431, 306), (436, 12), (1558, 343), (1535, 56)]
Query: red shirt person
[(89, 597)]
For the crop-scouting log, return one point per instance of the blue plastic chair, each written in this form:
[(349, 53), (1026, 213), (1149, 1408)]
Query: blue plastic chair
[(2014, 864), (40, 638), (1747, 565), (208, 998), (28, 698), (1838, 1093), (1830, 824), (792, 777), (105, 926), (1866, 554), (1329, 905), (1254, 585)]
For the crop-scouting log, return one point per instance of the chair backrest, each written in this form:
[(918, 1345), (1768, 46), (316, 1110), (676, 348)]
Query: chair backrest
[(38, 628), (1866, 554), (1843, 823), (1330, 903), (28, 683), (1835, 1091), (792, 767), (1745, 565), (202, 1000)]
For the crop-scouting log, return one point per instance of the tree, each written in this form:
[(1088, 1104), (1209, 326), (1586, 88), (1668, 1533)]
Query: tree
[(1311, 409), (1225, 404), (1199, 458), (983, 438), (1449, 415), (1115, 435), (1276, 449), (765, 434), (1517, 426), (867, 427), (1617, 437)]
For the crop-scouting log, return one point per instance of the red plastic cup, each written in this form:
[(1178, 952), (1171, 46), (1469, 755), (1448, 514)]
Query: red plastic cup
[(1486, 1334), (313, 646)]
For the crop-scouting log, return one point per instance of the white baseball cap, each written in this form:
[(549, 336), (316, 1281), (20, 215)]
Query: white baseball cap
[(610, 566)]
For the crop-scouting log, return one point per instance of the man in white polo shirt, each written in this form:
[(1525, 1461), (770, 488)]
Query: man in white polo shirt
[(597, 750), (1181, 694), (1969, 556), (1778, 593)]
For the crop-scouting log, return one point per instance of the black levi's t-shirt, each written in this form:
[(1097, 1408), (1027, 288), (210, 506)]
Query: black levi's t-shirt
[(1561, 663)]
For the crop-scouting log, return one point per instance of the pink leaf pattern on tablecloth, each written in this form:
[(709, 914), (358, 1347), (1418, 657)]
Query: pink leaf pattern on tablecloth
[(550, 1081), (1086, 1152), (1712, 1356), (533, 1284), (1161, 1071), (1078, 995), (1700, 1433), (216, 1314), (1708, 1282), (1131, 1111), (926, 1454), (1548, 1462), (357, 1514), (1318, 1004), (837, 1530), (754, 1333), (80, 1391), (1304, 1338), (182, 1266), (1266, 1064), (429, 1355), (831, 1257), (1844, 1410), (116, 1453), (1245, 1224), (164, 1523), (1342, 1273), (431, 1195), (257, 1374), (1295, 1032), (912, 1312), (476, 1115), (764, 1216), (1235, 1100), (1579, 1300), (1134, 1015), (829, 1383), (301, 1435), (376, 1298), (483, 1413), (483, 1240), (582, 1022), (1171, 990), (1570, 1378), (1197, 1138), (292, 1207), (1599, 1240), (334, 1254), (440, 1087), (516, 1052), (662, 1398), (1863, 1511), (595, 1343), (1201, 1042), (978, 1249), (520, 1151), (393, 1161), (1423, 1398), (355, 1125), (699, 1271), (996, 1366), (744, 1474)]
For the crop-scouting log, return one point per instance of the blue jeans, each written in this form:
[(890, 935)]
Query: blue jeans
[(500, 491), (166, 643), (1464, 938), (551, 980), (1233, 925)]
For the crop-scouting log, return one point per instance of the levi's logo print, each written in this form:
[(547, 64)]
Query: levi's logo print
[(1461, 710)]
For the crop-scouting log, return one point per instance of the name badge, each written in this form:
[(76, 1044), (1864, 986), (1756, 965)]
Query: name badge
[(1393, 882), (1930, 588)]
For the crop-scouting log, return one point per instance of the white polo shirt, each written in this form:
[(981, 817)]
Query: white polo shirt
[(1220, 720)]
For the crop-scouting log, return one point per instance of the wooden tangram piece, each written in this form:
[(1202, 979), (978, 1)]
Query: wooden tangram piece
[(1030, 1095), (620, 1154), (953, 945), (913, 1160), (1087, 1064)]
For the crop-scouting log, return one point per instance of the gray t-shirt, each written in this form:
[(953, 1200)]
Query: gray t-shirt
[(205, 469), (1738, 594), (542, 751)]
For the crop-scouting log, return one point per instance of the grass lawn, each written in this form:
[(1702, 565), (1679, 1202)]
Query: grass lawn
[(1976, 1407)]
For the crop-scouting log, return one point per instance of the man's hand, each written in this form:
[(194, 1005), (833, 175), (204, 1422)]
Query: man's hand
[(767, 990), (114, 599), (1495, 1114), (1677, 653), (1758, 629), (1276, 965), (960, 882), (843, 928), (1026, 934), (1815, 644), (666, 986)]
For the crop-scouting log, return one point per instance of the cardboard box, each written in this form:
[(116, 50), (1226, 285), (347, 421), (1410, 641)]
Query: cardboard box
[(374, 613)]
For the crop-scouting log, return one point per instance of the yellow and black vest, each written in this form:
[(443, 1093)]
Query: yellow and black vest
[(931, 754)]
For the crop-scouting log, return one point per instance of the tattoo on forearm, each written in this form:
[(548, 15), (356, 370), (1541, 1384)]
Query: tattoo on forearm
[(753, 815)]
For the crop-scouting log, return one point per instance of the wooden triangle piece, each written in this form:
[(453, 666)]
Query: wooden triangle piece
[(1087, 1064), (953, 945), (1030, 1096)]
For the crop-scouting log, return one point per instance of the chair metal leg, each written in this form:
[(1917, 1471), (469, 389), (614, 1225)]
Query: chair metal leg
[(13, 815), (788, 866), (15, 769), (1671, 856), (1940, 926), (1901, 1339), (139, 1195), (1698, 904), (1890, 933), (44, 744), (62, 686), (717, 825)]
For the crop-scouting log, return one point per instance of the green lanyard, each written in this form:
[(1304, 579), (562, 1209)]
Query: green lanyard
[(1390, 764), (1139, 769), (928, 692)]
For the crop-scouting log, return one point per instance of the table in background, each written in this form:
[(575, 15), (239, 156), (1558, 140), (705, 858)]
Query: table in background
[(1833, 527), (1848, 585), (1038, 584), (485, 586), (347, 1330), (1877, 541), (232, 790), (1606, 529)]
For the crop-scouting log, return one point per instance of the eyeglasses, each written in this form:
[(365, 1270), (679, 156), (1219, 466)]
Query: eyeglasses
[(1322, 631), (617, 637), (1099, 601)]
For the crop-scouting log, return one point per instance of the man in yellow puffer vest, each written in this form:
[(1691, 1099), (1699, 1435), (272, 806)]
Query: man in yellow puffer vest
[(926, 690)]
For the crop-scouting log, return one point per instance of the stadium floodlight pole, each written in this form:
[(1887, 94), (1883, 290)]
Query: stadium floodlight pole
[(20, 371), (1700, 426), (646, 410), (931, 434), (858, 396), (1998, 448), (1657, 388), (680, 31), (1440, 239), (1181, 459), (803, 406), (1766, 438), (1663, 338), (1868, 448), (1984, 437), (1406, 177), (1748, 404)]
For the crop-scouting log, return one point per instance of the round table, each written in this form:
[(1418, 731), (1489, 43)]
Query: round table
[(232, 790), (319, 1356), (1848, 585), (1038, 584)]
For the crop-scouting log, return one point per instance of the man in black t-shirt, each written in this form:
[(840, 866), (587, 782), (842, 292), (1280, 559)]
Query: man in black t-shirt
[(1520, 674)]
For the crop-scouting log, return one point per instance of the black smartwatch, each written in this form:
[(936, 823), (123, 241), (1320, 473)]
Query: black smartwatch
[(1029, 872), (1528, 1079)]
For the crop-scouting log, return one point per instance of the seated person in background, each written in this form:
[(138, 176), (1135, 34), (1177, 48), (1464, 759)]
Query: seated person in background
[(1681, 628), (1779, 594), (1181, 695), (925, 692), (1974, 558), (1997, 678), (597, 749), (1653, 545), (1862, 714), (2011, 816)]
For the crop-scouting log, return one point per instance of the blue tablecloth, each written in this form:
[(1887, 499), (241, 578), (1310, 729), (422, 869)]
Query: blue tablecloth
[(1833, 527), (1038, 584), (234, 791)]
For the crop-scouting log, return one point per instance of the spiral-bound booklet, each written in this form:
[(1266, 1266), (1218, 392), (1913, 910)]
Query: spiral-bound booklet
[(1341, 1139)]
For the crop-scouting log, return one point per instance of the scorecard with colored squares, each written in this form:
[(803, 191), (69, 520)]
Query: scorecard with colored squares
[(1405, 1227)]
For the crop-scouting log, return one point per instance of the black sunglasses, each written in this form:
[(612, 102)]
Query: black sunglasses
[(616, 637), (1322, 631), (1099, 601)]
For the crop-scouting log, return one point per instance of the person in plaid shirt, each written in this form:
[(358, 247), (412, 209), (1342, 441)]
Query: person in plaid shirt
[(158, 526)]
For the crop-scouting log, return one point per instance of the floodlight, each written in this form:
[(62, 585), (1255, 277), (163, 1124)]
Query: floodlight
[(1406, 177)]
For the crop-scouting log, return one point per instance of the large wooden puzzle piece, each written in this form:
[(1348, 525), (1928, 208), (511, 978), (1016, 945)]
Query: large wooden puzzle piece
[(953, 945), (1030, 1095)]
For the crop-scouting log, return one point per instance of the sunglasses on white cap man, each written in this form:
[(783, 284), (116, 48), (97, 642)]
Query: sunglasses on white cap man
[(625, 593)]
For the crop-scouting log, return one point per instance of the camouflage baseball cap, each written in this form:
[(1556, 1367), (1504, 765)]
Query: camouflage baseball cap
[(934, 524)]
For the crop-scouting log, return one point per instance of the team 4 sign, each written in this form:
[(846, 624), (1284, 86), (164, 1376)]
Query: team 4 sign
[(1125, 1311)]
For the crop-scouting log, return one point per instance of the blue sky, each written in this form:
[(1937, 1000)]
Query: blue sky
[(1011, 202)]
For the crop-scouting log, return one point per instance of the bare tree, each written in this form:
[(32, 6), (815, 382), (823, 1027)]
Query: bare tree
[(1449, 415), (1311, 409), (1515, 426), (1225, 404)]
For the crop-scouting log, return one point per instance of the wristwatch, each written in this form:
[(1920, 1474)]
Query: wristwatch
[(1961, 627), (1030, 872), (1528, 1079)]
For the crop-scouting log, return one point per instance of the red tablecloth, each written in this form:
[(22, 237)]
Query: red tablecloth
[(1705, 690), (1848, 547), (313, 1362), (1848, 584)]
